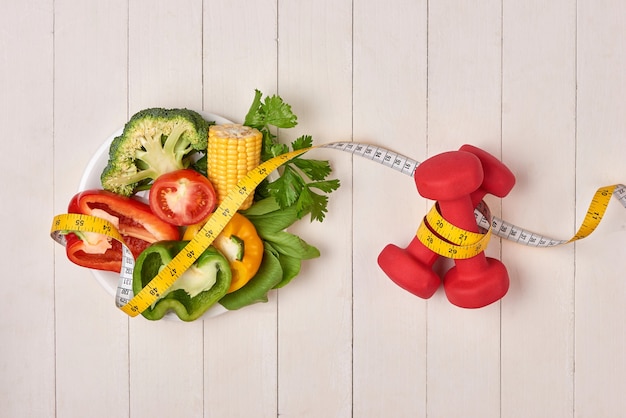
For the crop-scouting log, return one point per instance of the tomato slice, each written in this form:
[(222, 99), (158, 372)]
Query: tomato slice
[(182, 197)]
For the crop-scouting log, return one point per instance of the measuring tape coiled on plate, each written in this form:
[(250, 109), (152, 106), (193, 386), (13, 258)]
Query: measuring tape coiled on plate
[(435, 232)]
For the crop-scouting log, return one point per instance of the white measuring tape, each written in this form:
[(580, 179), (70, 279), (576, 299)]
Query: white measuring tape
[(499, 227)]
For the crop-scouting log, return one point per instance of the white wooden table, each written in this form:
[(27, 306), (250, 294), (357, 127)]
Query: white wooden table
[(540, 84)]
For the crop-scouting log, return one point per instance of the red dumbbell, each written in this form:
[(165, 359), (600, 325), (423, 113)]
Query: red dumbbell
[(451, 178), (411, 267), (498, 180)]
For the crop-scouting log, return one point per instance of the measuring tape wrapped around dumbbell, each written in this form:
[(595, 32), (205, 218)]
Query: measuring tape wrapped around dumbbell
[(437, 234)]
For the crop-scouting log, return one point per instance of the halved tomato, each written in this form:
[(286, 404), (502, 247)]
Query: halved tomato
[(182, 197)]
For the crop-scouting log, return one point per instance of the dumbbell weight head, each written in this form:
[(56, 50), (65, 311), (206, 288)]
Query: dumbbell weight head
[(411, 268), (449, 176), (498, 180), (472, 288)]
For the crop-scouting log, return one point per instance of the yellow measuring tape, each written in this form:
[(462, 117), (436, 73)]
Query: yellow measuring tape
[(593, 216), (84, 223), (450, 241), (435, 232)]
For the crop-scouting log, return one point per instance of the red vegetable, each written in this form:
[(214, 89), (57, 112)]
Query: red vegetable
[(110, 260), (134, 220), (182, 197)]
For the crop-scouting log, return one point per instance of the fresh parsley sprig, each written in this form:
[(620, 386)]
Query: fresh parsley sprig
[(303, 182)]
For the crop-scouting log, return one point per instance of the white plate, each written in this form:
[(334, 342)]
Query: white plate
[(91, 180)]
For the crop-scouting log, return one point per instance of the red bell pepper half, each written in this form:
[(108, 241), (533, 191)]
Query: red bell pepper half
[(134, 220)]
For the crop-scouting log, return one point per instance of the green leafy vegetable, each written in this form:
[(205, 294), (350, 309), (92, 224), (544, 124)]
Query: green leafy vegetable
[(303, 182), (273, 111), (291, 268), (270, 222), (270, 274), (291, 245)]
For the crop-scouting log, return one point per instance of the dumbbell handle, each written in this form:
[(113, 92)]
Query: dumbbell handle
[(460, 212)]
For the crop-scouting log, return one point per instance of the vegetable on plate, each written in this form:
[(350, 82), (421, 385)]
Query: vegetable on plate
[(242, 246), (271, 222), (303, 182), (195, 291), (182, 197), (154, 141), (255, 291), (133, 219), (93, 251), (233, 150), (283, 253)]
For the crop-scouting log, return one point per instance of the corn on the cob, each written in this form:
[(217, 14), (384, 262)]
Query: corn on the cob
[(233, 150)]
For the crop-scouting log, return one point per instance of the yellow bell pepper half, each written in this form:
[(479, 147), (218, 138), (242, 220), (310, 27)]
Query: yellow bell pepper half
[(240, 244)]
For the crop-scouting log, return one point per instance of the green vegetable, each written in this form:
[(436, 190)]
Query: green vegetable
[(271, 112), (237, 247), (270, 221), (154, 141), (199, 287), (302, 179), (255, 291), (282, 256)]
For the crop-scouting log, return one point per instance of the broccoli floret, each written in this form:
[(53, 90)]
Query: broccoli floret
[(154, 141)]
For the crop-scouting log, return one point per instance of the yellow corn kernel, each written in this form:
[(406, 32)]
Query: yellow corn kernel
[(233, 151)]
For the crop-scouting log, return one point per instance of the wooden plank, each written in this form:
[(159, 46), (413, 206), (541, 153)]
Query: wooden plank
[(464, 56), (240, 348), (27, 327), (240, 358), (600, 286), (538, 126), (389, 100), (91, 333), (165, 70), (239, 56), (165, 58), (314, 311)]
